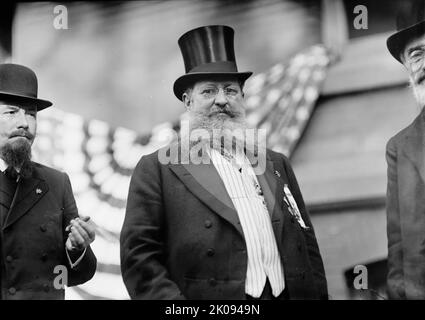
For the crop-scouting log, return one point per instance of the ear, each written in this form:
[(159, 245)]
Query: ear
[(186, 100), (403, 55)]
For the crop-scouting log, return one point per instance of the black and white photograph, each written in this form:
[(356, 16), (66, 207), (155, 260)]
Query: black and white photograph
[(215, 150)]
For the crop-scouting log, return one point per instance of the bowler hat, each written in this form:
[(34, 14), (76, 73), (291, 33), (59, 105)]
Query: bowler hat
[(18, 84), (207, 52), (410, 25)]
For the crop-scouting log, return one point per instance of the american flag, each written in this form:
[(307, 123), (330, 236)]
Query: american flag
[(100, 159)]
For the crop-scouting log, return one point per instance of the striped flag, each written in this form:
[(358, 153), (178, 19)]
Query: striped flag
[(100, 159)]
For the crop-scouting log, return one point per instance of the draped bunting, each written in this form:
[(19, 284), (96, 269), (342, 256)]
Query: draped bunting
[(100, 159)]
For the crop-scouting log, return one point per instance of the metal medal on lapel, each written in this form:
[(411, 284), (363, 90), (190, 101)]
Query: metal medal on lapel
[(293, 207)]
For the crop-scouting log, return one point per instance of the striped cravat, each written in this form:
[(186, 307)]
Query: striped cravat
[(263, 255)]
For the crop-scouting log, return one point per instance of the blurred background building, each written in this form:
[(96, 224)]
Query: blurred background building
[(330, 96)]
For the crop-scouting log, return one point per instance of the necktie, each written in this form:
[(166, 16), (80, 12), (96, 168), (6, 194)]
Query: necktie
[(12, 174)]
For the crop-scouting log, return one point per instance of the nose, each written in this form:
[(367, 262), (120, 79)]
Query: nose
[(22, 122), (221, 98)]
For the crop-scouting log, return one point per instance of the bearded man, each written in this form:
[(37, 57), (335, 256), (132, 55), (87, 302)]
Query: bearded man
[(44, 244), (214, 221), (405, 154)]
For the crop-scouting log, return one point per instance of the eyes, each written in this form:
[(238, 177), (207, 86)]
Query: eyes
[(11, 111), (32, 113), (231, 91), (416, 55), (210, 92)]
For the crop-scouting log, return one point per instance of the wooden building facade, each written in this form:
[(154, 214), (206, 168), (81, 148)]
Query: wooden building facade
[(117, 61)]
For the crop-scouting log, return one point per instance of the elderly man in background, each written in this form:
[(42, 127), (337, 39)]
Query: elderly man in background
[(217, 228), (44, 244), (406, 169)]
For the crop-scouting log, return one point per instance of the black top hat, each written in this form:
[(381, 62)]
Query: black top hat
[(18, 84), (207, 51), (410, 24)]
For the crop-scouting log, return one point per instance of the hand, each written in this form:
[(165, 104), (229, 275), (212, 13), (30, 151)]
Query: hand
[(81, 234)]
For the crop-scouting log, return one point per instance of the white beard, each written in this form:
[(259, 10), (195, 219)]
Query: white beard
[(230, 129), (418, 92), (229, 136)]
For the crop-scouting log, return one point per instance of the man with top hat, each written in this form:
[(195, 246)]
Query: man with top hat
[(405, 154), (228, 226), (44, 244)]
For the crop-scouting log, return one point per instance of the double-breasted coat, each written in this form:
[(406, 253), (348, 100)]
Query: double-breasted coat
[(33, 237), (182, 238)]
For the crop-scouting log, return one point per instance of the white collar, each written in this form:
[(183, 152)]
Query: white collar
[(3, 165), (240, 159)]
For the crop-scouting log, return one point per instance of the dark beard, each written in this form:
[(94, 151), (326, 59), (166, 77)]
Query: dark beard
[(18, 155)]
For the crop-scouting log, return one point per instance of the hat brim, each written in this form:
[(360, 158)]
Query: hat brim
[(25, 100), (397, 42), (185, 81)]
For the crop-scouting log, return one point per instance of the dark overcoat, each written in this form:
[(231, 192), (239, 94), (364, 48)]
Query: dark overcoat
[(182, 237), (405, 155), (33, 237)]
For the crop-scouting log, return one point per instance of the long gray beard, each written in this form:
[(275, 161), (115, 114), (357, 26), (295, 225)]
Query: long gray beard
[(18, 155), (224, 133)]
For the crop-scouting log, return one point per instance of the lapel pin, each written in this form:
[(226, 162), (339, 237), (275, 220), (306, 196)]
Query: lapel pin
[(38, 191), (277, 173)]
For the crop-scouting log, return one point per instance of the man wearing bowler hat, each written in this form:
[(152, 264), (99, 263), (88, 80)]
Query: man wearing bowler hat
[(405, 155), (44, 245), (226, 227)]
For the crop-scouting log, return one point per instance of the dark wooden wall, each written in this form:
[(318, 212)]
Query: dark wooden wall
[(118, 64), (7, 12)]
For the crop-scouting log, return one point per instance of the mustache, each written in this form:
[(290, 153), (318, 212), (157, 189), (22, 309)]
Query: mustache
[(226, 109), (22, 133)]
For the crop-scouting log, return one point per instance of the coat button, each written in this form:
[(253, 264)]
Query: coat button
[(292, 219), (46, 288), (210, 252), (9, 259), (299, 246), (208, 224), (12, 290), (43, 228), (44, 257), (212, 282)]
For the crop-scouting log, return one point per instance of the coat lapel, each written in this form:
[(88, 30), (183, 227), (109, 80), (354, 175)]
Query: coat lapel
[(6, 191), (205, 183), (414, 146), (5, 199), (28, 193)]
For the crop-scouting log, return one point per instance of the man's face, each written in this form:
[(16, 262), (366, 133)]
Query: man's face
[(17, 127), (215, 104), (414, 60)]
